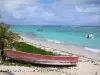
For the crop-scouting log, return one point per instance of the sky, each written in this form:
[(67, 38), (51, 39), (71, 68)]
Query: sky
[(50, 12)]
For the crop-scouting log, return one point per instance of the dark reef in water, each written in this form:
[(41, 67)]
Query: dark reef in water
[(39, 29)]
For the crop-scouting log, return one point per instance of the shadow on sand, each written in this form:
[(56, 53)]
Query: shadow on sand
[(6, 73), (24, 63)]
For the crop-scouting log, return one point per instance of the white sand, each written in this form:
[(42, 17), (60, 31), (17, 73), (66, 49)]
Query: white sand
[(88, 61)]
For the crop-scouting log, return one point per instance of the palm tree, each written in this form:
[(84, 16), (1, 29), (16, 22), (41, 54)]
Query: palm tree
[(7, 38)]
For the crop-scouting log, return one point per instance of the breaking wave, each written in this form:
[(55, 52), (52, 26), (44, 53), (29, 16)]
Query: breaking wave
[(92, 49), (54, 41)]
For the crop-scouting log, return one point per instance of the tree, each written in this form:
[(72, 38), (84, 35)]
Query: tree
[(7, 39)]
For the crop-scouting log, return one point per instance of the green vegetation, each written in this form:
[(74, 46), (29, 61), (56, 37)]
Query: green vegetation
[(7, 38), (21, 46), (15, 63)]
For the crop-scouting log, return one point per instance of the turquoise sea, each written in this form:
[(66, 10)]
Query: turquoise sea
[(72, 35)]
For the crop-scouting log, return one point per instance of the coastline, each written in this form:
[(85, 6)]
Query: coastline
[(88, 63), (62, 48)]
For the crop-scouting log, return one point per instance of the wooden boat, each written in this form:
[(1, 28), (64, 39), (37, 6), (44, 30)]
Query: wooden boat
[(42, 59)]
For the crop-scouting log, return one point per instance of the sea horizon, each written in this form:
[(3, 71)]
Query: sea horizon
[(60, 25)]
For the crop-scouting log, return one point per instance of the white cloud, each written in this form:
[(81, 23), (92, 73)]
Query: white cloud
[(26, 9), (47, 15), (79, 9), (88, 9), (59, 11), (95, 17), (10, 7), (10, 4)]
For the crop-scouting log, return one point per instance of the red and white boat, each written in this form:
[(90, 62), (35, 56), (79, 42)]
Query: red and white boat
[(42, 59)]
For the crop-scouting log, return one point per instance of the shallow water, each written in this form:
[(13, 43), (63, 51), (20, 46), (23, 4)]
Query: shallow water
[(63, 34)]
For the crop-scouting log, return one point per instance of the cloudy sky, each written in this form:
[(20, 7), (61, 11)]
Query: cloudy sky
[(50, 12)]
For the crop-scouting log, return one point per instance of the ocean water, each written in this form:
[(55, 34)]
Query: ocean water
[(63, 34)]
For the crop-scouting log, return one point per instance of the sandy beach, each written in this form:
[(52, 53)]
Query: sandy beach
[(89, 62)]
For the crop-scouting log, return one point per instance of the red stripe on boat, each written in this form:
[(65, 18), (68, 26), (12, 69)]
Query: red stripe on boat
[(30, 56)]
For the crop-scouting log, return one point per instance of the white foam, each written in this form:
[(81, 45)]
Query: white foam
[(75, 26), (55, 41), (92, 49)]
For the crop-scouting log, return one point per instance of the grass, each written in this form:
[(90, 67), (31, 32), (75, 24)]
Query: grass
[(15, 63), (21, 46)]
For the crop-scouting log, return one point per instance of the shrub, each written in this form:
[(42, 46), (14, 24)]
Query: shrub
[(21, 46)]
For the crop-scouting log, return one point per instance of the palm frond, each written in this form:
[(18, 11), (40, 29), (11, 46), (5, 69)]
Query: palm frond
[(7, 37)]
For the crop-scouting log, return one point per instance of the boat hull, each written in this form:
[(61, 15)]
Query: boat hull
[(41, 59)]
